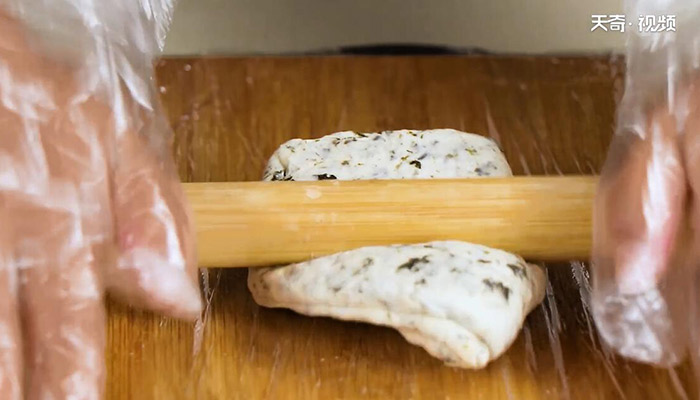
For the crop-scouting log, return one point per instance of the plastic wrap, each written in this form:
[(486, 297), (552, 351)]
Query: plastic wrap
[(645, 243), (72, 82), (550, 115), (89, 199)]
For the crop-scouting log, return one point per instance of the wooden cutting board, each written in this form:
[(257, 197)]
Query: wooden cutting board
[(551, 115)]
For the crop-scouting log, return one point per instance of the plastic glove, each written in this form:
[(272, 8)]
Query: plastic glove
[(89, 199), (647, 219)]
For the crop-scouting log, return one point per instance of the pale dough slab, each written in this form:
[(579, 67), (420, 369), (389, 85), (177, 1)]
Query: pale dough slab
[(464, 303), (404, 154)]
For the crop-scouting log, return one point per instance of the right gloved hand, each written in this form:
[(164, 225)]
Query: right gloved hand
[(641, 281), (646, 233)]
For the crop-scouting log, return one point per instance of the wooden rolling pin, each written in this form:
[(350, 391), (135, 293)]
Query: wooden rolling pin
[(241, 224)]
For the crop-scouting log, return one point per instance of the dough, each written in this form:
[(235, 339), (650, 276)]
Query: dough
[(463, 303), (438, 153)]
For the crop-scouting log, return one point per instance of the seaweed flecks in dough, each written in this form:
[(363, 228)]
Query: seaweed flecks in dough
[(325, 177), (493, 285), (413, 264)]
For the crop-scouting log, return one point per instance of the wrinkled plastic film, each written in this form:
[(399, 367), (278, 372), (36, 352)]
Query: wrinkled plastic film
[(547, 357), (558, 353), (87, 189), (644, 246)]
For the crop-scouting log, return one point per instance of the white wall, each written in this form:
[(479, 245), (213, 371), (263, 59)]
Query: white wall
[(283, 26)]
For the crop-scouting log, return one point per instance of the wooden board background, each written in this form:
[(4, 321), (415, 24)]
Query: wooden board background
[(550, 115)]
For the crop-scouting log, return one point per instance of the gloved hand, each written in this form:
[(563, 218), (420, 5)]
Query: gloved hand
[(646, 239), (89, 203)]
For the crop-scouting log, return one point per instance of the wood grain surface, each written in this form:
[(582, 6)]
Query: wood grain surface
[(245, 224), (550, 116)]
